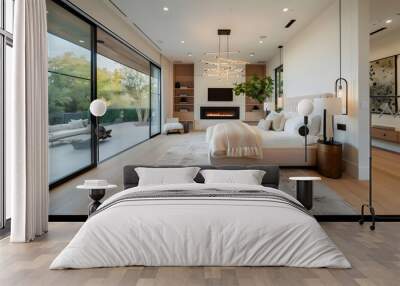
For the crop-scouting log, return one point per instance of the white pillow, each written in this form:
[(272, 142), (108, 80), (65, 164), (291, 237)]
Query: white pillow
[(293, 124), (278, 120), (315, 125), (264, 124), (166, 176), (247, 177)]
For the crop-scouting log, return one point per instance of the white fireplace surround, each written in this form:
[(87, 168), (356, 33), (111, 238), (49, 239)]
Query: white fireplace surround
[(201, 85)]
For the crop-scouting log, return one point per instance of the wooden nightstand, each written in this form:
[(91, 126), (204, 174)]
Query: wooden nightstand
[(329, 159)]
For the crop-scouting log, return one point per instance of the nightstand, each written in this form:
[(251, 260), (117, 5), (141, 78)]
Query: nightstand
[(97, 190), (304, 190), (329, 159)]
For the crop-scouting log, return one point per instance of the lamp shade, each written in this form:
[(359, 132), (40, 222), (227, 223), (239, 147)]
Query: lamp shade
[(333, 105), (305, 107), (98, 107)]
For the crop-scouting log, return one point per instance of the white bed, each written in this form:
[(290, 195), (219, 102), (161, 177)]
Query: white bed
[(190, 231), (279, 148)]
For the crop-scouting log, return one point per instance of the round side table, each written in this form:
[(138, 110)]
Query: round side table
[(96, 193), (304, 190)]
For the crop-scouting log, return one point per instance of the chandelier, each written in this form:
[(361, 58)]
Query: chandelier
[(223, 67)]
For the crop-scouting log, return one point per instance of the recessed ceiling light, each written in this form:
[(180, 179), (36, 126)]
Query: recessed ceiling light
[(388, 21), (182, 42), (189, 54), (285, 9), (81, 41), (260, 41), (165, 8), (251, 55)]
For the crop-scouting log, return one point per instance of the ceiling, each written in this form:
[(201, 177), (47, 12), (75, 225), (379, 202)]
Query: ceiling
[(381, 11), (196, 22)]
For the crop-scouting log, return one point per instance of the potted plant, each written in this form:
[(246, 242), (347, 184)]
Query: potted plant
[(256, 88)]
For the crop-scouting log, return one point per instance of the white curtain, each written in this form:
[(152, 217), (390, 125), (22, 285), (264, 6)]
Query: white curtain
[(26, 140)]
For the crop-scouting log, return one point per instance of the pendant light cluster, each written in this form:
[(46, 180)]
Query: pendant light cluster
[(341, 84), (223, 67)]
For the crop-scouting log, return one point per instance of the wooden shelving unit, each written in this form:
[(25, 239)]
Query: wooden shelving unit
[(184, 96), (252, 115)]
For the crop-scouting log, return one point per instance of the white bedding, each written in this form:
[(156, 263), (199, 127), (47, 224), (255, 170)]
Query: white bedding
[(207, 231), (282, 139)]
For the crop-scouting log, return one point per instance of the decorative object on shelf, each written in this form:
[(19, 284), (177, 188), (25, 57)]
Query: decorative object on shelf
[(341, 84), (183, 100), (97, 190), (305, 108), (257, 88), (267, 108), (223, 67), (177, 84), (331, 106), (304, 190)]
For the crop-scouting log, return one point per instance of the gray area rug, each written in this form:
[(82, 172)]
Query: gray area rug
[(195, 152)]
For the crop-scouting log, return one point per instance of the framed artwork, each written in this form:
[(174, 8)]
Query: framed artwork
[(383, 85)]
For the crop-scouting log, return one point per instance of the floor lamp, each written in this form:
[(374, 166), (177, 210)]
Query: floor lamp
[(305, 108), (97, 108)]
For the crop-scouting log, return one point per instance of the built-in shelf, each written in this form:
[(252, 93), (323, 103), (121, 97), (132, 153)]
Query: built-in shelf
[(184, 74)]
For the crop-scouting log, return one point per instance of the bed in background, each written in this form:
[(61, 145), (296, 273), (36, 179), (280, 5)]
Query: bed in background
[(201, 224), (278, 148)]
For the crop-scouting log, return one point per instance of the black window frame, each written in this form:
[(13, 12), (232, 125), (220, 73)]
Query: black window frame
[(6, 39), (76, 11)]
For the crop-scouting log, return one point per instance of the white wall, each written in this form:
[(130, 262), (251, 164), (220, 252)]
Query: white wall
[(382, 47), (311, 66), (201, 85)]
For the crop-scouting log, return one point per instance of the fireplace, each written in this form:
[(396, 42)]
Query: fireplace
[(217, 112)]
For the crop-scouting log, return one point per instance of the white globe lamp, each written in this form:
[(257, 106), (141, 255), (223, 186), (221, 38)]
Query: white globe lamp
[(98, 107), (305, 107)]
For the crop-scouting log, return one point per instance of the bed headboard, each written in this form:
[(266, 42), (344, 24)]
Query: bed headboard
[(290, 103), (270, 179)]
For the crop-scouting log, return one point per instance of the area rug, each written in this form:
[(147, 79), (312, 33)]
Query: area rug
[(195, 152)]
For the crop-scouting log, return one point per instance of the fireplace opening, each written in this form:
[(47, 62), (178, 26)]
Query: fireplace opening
[(217, 112)]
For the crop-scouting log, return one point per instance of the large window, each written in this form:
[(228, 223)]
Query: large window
[(70, 77), (123, 82), (6, 64), (87, 62)]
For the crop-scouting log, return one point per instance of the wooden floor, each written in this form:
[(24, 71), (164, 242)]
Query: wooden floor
[(385, 174), (375, 257)]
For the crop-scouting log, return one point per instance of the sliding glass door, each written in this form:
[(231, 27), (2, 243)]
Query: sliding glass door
[(88, 62), (155, 94), (123, 82), (6, 64), (70, 89)]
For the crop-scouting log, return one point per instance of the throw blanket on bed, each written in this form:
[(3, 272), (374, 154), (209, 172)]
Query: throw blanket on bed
[(234, 139), (195, 225)]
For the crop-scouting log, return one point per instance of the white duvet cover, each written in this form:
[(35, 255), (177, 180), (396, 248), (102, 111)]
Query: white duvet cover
[(200, 231)]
